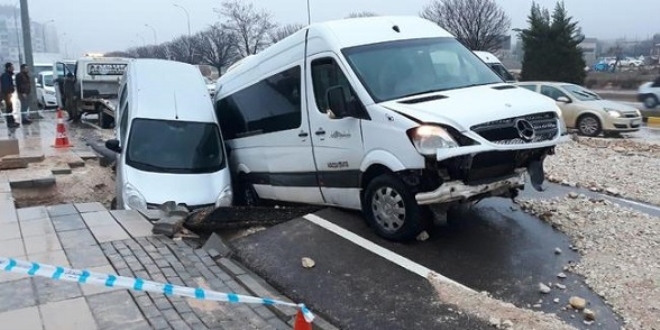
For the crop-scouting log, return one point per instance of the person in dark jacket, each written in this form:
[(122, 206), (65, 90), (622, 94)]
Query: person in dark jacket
[(6, 91), (24, 88)]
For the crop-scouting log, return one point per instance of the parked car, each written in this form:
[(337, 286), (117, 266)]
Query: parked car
[(649, 93), (169, 146), (587, 111), (210, 86), (390, 121), (46, 96), (626, 62)]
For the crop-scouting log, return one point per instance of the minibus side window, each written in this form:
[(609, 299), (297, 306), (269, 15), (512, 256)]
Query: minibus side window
[(326, 74), (270, 105), (123, 123)]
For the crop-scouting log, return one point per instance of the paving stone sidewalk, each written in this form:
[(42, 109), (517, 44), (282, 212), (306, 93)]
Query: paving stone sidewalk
[(90, 237)]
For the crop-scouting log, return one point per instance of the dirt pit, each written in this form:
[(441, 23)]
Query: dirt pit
[(90, 183)]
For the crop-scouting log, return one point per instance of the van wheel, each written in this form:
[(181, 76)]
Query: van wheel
[(246, 194), (391, 209), (589, 125)]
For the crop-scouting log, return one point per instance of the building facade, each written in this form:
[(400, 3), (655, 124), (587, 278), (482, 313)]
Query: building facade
[(44, 36)]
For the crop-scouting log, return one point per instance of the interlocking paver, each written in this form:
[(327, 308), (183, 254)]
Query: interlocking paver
[(108, 233), (116, 310), (68, 314), (89, 207), (55, 257), (12, 248), (40, 244), (91, 256), (9, 231), (17, 294), (60, 210), (80, 238), (98, 218), (37, 227), (24, 319), (89, 290), (68, 222), (53, 291), (32, 213), (7, 212), (134, 223)]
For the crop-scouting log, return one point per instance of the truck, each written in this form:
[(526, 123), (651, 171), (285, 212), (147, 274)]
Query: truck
[(90, 85)]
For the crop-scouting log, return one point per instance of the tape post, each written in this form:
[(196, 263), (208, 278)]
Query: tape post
[(137, 284)]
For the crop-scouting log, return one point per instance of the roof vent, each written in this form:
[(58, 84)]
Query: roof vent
[(396, 28)]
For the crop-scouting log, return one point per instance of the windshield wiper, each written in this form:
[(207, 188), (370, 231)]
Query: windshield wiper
[(151, 167), (425, 92)]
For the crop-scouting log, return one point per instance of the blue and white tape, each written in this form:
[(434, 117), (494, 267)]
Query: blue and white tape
[(116, 281)]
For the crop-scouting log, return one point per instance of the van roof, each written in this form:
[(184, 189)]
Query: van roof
[(166, 90), (487, 57), (340, 34)]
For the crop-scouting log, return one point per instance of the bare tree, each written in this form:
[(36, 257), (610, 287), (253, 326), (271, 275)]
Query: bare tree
[(285, 31), (181, 49), (250, 25), (215, 46), (478, 24), (361, 14)]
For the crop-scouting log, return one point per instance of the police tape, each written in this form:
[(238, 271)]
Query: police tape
[(137, 284)]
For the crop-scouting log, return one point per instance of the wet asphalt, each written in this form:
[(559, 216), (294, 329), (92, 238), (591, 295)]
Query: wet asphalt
[(494, 247)]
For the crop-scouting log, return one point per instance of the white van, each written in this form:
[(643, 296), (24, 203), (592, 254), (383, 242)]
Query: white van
[(169, 143), (494, 63), (389, 120), (46, 90)]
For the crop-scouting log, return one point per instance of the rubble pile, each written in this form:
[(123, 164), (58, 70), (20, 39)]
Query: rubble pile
[(619, 248)]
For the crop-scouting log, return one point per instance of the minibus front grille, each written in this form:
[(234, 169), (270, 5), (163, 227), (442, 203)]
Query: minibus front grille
[(508, 131), (490, 166)]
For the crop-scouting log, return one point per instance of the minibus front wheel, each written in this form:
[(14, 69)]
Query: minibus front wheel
[(391, 209), (245, 193)]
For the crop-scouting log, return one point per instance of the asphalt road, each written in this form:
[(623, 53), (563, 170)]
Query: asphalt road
[(495, 247)]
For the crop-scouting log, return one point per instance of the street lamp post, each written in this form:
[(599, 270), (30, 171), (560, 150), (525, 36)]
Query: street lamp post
[(43, 34), (144, 42), (18, 33), (187, 16), (154, 31)]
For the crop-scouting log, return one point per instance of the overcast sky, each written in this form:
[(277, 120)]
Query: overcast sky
[(106, 25)]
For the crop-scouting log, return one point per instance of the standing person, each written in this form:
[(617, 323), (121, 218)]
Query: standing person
[(24, 88), (6, 90)]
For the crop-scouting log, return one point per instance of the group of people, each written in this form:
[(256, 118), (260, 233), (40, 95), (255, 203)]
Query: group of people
[(22, 86)]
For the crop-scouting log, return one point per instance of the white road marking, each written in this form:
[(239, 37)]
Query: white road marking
[(647, 206), (381, 251)]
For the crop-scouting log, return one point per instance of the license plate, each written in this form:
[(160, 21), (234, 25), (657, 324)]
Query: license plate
[(636, 122)]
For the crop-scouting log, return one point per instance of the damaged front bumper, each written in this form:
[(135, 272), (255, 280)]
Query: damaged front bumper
[(457, 191), (474, 172)]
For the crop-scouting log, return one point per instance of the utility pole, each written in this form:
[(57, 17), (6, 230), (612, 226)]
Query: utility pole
[(27, 47), (18, 35)]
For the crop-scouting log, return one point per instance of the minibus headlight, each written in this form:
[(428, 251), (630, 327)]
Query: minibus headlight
[(133, 198), (225, 198), (428, 139)]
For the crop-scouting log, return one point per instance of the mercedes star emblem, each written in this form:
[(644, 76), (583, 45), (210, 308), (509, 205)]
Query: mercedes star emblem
[(525, 130)]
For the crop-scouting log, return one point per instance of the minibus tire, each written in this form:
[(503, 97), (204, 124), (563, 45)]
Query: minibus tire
[(245, 188), (414, 220)]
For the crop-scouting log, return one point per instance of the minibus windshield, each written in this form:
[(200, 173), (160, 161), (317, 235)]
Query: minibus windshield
[(172, 146), (396, 69)]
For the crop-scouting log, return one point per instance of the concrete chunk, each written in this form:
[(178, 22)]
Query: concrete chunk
[(61, 170), (218, 246)]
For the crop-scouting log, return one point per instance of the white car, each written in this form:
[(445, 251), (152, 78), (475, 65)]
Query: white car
[(649, 94), (46, 90), (210, 86), (627, 62)]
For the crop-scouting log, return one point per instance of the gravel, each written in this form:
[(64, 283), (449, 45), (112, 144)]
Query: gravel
[(619, 248), (612, 166), (498, 314)]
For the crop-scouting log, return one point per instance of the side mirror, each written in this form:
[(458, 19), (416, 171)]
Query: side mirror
[(337, 102), (563, 99), (113, 145)]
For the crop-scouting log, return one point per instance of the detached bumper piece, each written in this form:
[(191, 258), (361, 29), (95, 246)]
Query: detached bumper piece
[(458, 191)]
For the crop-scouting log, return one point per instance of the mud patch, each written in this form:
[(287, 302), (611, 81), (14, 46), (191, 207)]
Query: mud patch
[(90, 183)]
